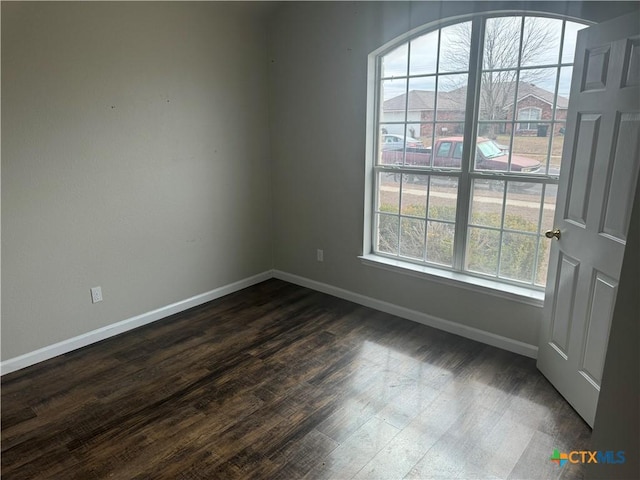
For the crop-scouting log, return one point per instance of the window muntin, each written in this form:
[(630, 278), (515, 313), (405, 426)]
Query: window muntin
[(511, 174)]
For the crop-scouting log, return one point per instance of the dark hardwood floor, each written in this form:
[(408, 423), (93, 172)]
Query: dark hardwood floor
[(278, 381)]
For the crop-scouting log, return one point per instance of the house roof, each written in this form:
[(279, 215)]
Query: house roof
[(455, 99), (424, 100), (529, 89)]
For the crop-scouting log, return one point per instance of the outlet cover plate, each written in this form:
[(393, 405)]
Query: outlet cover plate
[(96, 294)]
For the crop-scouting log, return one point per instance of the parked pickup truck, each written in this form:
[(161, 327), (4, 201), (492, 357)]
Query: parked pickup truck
[(448, 154)]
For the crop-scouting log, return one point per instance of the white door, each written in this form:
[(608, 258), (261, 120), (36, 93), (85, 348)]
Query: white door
[(600, 163)]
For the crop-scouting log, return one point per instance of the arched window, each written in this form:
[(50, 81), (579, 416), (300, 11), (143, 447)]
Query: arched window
[(470, 182)]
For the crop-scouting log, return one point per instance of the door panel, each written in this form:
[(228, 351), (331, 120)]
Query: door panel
[(602, 301), (585, 147), (632, 64), (617, 211), (596, 68), (562, 314), (600, 165)]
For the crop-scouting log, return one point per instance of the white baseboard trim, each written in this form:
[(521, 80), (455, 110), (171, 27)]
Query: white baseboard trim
[(472, 333), (60, 348), (45, 353)]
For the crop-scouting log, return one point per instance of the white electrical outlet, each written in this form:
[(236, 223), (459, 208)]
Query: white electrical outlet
[(320, 255), (96, 294)]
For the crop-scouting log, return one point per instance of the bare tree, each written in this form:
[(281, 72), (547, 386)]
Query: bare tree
[(501, 53)]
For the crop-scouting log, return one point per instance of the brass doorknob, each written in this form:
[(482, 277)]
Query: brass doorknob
[(553, 233)]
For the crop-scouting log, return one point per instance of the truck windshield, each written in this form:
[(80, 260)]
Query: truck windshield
[(489, 149)]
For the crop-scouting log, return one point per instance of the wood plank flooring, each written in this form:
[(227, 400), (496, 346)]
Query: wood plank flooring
[(281, 382)]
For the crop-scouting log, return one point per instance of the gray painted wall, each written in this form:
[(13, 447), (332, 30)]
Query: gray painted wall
[(135, 156), (318, 77)]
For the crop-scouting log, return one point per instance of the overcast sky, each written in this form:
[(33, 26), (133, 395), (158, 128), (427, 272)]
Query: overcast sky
[(424, 57)]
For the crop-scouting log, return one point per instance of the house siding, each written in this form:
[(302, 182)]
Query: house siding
[(451, 120), (545, 116)]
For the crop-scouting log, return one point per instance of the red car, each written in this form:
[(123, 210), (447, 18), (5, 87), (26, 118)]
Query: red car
[(448, 154)]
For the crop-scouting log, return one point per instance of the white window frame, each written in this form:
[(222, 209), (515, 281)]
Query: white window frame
[(457, 275)]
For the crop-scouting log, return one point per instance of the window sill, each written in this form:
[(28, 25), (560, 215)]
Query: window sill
[(457, 279)]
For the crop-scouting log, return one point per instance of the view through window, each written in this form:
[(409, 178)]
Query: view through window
[(477, 202), (464, 180)]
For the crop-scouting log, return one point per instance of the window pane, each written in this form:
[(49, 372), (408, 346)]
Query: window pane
[(392, 155), (498, 131), (482, 250), (537, 88), (557, 145), (412, 238), (492, 155), (395, 148), (391, 142), (394, 64), (426, 134), (455, 45), (522, 207), (417, 154), (423, 132), (449, 129), (544, 247), (518, 256), (448, 145), (425, 87), (414, 195), (452, 97), (388, 192), (530, 147), (390, 152), (443, 195), (424, 52), (548, 211), (564, 88), (393, 96), (501, 42), (570, 37), (497, 95), (540, 41), (440, 243), (390, 129), (444, 148), (387, 240), (486, 203), (422, 94)]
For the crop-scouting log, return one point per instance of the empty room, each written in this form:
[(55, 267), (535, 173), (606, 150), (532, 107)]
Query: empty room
[(286, 240)]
